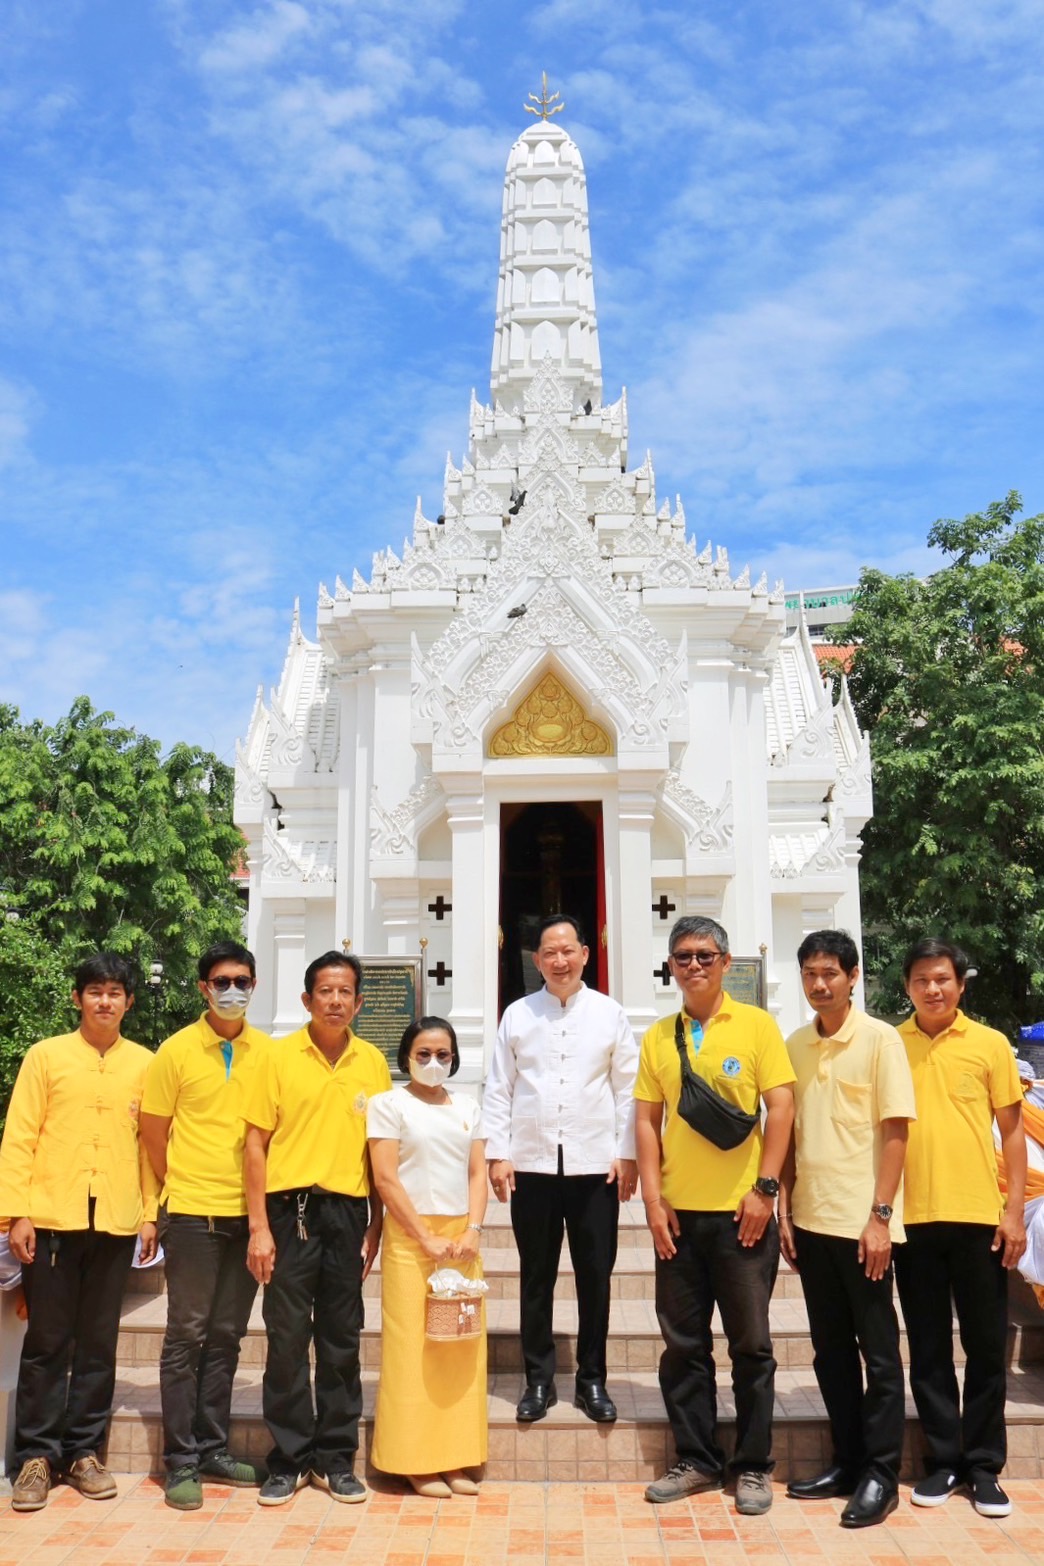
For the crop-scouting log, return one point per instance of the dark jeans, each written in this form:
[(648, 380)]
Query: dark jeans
[(315, 1295), (943, 1267), (68, 1367), (848, 1316), (712, 1267), (587, 1209), (209, 1295)]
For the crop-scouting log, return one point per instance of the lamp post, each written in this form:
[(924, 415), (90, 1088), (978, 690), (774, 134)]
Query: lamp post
[(155, 984)]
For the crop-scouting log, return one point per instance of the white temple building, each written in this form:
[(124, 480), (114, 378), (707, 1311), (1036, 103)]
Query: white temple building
[(551, 697)]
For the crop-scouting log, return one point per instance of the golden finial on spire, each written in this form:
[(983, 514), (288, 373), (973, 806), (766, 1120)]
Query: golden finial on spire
[(545, 106)]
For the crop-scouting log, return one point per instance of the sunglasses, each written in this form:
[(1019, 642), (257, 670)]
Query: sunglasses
[(686, 959), (222, 983)]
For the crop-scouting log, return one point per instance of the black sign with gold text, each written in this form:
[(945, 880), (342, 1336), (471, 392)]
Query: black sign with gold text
[(393, 997)]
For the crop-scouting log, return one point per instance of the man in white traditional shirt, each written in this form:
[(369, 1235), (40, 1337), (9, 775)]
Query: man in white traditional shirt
[(558, 1118)]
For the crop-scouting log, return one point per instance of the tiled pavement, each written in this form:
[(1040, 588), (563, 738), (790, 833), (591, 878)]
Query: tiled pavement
[(526, 1524)]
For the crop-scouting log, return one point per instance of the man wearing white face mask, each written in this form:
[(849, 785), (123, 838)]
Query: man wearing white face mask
[(192, 1126)]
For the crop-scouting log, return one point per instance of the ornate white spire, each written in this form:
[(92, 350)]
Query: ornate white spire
[(545, 300)]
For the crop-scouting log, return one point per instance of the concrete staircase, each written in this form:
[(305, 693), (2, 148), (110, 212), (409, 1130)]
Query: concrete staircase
[(566, 1445)]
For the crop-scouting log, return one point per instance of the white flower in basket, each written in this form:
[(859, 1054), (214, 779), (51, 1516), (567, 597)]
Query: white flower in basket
[(454, 1305)]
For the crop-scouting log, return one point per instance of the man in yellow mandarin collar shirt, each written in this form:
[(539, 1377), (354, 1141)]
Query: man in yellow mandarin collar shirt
[(840, 1212), (77, 1189), (192, 1125), (315, 1226), (961, 1235)]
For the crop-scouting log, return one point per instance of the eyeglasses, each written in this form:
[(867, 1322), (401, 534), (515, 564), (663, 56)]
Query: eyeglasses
[(443, 1056), (686, 959), (241, 982)]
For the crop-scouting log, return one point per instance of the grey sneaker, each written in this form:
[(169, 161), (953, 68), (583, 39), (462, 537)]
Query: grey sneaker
[(753, 1492), (280, 1488), (681, 1479), (343, 1486)]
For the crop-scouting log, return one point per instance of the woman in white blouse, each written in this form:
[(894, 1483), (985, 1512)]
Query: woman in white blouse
[(429, 1167)]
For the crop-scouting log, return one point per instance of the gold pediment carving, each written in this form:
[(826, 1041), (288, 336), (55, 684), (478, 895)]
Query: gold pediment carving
[(550, 722)]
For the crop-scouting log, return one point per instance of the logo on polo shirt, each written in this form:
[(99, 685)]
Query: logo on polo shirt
[(360, 1103), (731, 1066)]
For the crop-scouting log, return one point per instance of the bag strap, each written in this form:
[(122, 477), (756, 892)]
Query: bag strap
[(683, 1053)]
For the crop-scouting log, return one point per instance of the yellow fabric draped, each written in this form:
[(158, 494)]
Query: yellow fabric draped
[(1033, 1120), (431, 1398)]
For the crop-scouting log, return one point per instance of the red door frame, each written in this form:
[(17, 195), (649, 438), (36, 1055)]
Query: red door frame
[(602, 932)]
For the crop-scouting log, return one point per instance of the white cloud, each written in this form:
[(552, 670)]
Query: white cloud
[(258, 41), (16, 405)]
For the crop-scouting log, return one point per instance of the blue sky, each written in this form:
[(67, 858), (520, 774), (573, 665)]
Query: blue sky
[(249, 257)]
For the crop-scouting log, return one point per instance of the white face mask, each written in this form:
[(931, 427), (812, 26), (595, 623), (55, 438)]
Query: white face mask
[(432, 1074), (229, 1004)]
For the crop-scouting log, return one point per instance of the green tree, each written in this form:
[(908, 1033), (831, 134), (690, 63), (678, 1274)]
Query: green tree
[(948, 677), (104, 843)]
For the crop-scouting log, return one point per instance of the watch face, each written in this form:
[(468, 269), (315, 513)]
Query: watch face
[(883, 1211)]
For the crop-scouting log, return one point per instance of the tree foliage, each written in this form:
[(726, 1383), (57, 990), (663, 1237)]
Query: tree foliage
[(948, 677), (106, 844)]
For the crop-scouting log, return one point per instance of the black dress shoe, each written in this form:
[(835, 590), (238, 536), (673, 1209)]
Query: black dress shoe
[(872, 1502), (595, 1401), (834, 1481), (535, 1401)]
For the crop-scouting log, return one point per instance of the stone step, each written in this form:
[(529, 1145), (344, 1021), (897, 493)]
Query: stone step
[(566, 1445), (634, 1343)]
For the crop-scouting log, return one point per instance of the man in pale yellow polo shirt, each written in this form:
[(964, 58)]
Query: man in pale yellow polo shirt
[(315, 1227), (961, 1235), (840, 1213), (192, 1125), (711, 1213), (77, 1187)]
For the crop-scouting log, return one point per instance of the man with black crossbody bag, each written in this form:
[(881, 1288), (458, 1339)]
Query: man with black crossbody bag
[(710, 1176)]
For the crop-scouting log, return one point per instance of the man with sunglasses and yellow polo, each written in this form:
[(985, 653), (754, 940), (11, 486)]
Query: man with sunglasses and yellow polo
[(193, 1128), (709, 1190)]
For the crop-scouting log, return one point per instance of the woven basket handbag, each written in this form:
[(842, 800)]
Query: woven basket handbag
[(453, 1316)]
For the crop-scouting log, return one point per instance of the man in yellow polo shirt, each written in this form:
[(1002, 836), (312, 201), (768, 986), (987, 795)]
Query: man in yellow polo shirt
[(315, 1226), (192, 1125), (961, 1235), (710, 1209), (76, 1187), (840, 1212)]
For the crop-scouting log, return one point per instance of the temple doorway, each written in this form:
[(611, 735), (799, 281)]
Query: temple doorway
[(552, 860)]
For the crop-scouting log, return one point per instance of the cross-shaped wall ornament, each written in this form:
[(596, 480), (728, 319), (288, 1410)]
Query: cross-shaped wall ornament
[(663, 972), (663, 907), (440, 908), (440, 973)]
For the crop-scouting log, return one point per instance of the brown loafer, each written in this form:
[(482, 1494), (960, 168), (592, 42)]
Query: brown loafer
[(30, 1490), (92, 1480)]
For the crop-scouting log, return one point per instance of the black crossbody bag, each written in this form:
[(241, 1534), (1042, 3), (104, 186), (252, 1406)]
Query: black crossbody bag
[(709, 1114)]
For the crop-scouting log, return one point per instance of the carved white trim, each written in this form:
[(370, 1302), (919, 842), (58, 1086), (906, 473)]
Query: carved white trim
[(393, 833), (710, 829)]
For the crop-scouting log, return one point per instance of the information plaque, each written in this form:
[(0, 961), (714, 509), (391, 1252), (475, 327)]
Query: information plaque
[(745, 981), (393, 997)]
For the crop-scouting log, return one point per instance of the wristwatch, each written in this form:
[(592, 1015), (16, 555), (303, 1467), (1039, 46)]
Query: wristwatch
[(766, 1186), (882, 1210)]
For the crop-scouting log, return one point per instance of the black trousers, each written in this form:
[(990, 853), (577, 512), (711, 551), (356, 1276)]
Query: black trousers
[(711, 1268), (586, 1209), (68, 1367), (850, 1316), (945, 1267), (209, 1295), (314, 1297)]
